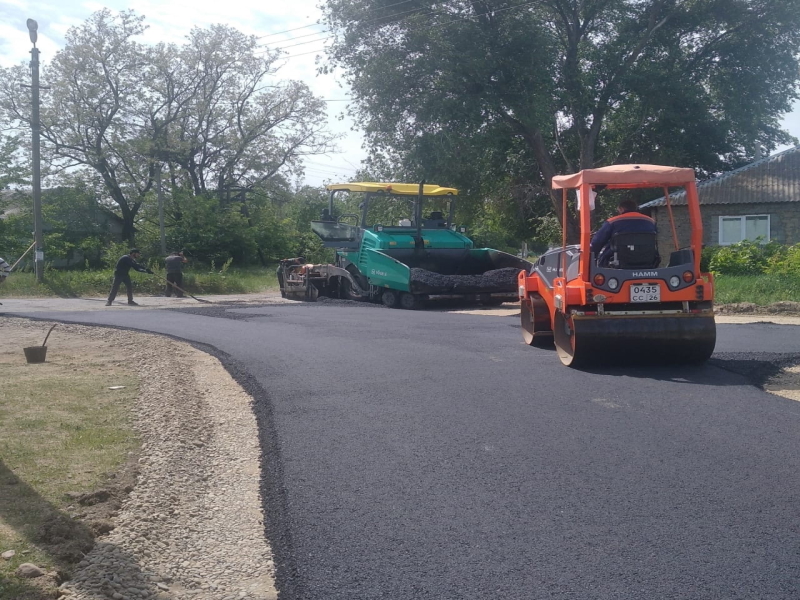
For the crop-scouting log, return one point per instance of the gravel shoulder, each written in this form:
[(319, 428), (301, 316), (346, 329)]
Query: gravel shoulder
[(192, 527)]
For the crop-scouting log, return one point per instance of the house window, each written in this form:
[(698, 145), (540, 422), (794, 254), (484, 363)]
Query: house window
[(746, 227)]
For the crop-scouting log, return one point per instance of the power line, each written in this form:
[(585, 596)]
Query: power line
[(322, 39), (287, 57), (311, 162), (360, 22), (261, 37), (298, 37), (436, 26), (317, 23)]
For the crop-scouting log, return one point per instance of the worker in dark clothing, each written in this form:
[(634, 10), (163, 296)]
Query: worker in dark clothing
[(122, 275), (628, 220), (174, 265)]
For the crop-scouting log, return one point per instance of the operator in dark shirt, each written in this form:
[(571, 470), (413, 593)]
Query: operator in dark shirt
[(628, 220), (122, 275)]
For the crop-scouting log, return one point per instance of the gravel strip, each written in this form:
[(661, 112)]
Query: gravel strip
[(193, 525)]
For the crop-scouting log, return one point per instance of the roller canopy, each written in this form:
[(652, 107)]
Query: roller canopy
[(626, 176), (398, 189)]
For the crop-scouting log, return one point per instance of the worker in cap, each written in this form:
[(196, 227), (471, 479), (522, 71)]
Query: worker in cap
[(122, 275)]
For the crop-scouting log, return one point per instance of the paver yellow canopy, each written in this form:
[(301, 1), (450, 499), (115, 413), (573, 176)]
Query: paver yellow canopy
[(633, 308)]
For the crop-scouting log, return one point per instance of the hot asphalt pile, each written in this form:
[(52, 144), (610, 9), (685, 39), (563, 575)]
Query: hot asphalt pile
[(497, 280)]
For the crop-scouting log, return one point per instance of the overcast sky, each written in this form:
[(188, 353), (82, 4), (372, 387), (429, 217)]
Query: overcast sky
[(171, 20)]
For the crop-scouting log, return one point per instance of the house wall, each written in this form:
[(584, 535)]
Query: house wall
[(784, 222)]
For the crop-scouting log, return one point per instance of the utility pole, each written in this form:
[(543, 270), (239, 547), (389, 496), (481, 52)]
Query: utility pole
[(37, 174), (160, 192)]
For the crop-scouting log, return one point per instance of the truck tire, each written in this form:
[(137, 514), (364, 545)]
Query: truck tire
[(489, 300), (390, 298), (410, 301)]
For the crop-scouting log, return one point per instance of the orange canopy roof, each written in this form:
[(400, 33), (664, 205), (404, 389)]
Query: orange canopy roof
[(626, 176)]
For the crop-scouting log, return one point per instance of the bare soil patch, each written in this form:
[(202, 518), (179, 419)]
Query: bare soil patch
[(748, 308)]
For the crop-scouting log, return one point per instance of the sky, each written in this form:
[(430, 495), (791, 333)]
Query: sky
[(171, 21), (290, 24)]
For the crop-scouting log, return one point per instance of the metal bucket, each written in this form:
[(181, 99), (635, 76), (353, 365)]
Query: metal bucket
[(35, 354)]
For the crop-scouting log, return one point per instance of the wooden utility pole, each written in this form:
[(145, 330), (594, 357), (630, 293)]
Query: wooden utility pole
[(38, 257)]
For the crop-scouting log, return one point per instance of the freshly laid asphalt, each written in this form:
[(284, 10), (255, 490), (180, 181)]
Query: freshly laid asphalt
[(432, 455)]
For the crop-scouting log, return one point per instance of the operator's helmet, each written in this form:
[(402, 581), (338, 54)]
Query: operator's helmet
[(5, 269)]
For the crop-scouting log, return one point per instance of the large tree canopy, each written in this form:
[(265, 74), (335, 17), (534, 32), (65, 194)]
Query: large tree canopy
[(211, 110), (507, 93)]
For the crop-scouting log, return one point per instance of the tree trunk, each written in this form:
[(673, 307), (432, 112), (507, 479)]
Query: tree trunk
[(547, 168)]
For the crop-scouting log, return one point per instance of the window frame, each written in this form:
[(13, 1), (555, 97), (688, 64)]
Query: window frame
[(743, 225)]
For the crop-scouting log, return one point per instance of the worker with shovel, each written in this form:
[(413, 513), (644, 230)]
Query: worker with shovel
[(122, 275), (5, 269), (174, 264)]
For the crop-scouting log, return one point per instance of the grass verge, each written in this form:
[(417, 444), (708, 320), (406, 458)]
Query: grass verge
[(73, 284), (62, 432), (758, 289)]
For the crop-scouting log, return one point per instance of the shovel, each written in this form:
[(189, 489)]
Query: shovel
[(37, 354), (187, 293)]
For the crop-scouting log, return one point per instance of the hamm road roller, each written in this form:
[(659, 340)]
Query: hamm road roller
[(629, 307)]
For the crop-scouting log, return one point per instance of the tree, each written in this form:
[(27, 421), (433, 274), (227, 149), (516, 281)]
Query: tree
[(210, 110), (240, 128), (12, 170), (523, 91), (86, 117)]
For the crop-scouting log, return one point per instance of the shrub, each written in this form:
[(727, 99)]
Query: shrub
[(745, 258), (707, 256), (786, 262)]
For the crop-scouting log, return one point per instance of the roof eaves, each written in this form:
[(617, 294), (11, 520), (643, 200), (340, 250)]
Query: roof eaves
[(679, 198)]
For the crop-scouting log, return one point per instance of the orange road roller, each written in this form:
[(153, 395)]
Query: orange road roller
[(622, 305)]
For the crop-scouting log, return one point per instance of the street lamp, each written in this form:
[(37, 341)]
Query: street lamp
[(33, 26)]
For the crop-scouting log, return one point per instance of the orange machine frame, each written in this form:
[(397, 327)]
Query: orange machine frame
[(580, 291)]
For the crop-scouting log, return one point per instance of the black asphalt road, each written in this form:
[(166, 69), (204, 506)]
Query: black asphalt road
[(428, 455)]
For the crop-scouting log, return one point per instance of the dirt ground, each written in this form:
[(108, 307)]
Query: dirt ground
[(63, 521), (179, 517)]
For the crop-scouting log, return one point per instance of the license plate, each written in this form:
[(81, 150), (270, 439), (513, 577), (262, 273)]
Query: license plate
[(646, 293)]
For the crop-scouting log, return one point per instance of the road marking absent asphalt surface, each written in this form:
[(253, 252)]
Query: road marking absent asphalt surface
[(26, 305), (737, 319)]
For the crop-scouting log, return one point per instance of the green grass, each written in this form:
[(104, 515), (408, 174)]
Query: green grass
[(74, 284), (758, 289), (61, 430)]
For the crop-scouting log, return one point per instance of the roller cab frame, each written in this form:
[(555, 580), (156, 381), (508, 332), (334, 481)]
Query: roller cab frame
[(619, 313)]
